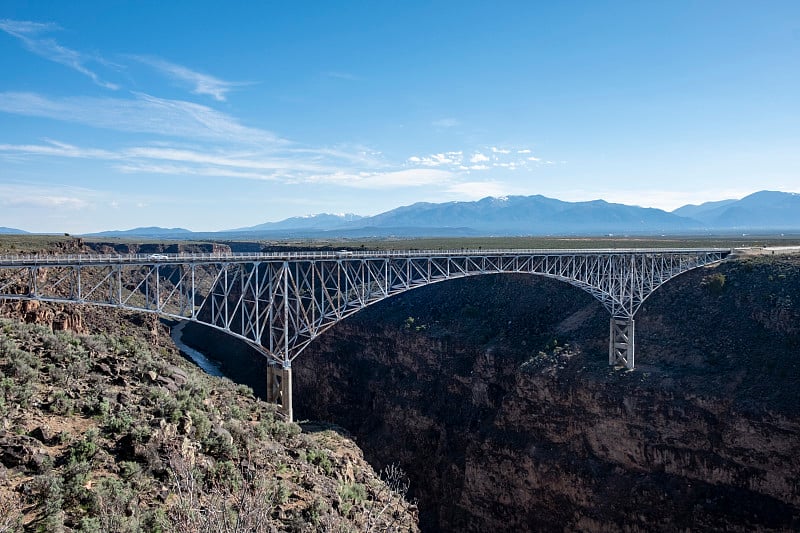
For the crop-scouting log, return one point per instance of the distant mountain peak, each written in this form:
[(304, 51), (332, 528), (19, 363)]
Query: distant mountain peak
[(149, 231), (11, 231), (527, 215), (348, 216), (318, 221), (762, 210)]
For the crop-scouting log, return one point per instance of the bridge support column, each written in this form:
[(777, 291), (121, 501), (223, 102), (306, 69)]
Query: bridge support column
[(621, 342), (279, 387)]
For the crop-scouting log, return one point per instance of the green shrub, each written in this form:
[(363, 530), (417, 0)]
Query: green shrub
[(321, 459), (284, 430), (90, 525), (351, 494), (244, 390), (75, 477), (201, 423), (129, 469), (48, 490), (225, 474), (282, 493), (83, 450), (313, 513), (119, 422)]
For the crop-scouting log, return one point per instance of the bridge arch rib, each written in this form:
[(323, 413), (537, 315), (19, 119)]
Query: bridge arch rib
[(279, 303)]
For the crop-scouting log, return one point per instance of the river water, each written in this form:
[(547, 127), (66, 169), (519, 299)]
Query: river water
[(208, 366)]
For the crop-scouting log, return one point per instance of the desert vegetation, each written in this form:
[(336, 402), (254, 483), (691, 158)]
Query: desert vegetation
[(109, 433)]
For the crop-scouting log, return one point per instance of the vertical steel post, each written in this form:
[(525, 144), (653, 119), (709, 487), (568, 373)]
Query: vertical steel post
[(225, 293), (158, 288), (192, 295), (257, 295), (286, 381)]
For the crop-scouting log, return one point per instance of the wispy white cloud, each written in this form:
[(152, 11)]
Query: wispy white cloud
[(354, 155), (202, 83), (225, 160), (353, 167), (497, 150), (500, 158), (385, 180), (435, 160), (48, 200), (142, 114), (31, 35), (26, 28), (329, 166), (177, 169), (57, 149), (51, 197), (169, 160)]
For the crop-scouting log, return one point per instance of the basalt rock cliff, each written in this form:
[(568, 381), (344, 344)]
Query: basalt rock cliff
[(494, 394)]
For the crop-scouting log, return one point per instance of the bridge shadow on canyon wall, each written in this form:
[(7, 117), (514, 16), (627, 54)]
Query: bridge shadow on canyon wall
[(493, 393)]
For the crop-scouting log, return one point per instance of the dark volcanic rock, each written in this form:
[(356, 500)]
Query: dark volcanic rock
[(495, 395), (44, 434), (18, 450)]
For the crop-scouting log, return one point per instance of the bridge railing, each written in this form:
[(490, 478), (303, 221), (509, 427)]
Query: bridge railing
[(45, 259)]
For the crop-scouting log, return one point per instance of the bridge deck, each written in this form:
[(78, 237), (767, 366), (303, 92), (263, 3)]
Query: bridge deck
[(280, 302), (111, 259)]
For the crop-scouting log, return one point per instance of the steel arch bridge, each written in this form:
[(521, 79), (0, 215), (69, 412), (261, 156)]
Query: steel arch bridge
[(278, 303)]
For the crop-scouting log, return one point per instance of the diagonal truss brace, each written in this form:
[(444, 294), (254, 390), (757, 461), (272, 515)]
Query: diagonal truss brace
[(280, 304)]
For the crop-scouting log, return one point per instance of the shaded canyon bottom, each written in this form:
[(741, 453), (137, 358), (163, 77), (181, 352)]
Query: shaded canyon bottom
[(493, 393)]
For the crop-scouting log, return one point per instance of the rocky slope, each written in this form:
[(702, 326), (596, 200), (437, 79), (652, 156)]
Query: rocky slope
[(117, 432), (495, 395)]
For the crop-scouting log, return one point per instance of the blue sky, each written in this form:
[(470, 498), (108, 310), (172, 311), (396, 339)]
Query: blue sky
[(212, 116)]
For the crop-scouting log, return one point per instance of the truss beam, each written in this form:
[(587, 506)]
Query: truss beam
[(280, 302)]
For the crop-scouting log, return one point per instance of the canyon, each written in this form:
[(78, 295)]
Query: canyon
[(494, 394)]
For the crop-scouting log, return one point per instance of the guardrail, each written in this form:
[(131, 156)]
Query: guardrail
[(50, 259)]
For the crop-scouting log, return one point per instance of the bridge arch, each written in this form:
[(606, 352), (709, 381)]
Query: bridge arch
[(279, 303)]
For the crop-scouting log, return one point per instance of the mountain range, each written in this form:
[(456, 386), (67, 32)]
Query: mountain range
[(150, 231), (767, 211), (11, 231), (320, 221), (764, 211)]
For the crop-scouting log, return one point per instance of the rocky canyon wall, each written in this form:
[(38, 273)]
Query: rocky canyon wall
[(494, 394)]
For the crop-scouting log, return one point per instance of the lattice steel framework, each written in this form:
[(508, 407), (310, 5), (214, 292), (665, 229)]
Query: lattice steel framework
[(279, 303)]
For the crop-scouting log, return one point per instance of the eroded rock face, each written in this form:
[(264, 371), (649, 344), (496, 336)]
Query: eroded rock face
[(57, 317), (495, 395)]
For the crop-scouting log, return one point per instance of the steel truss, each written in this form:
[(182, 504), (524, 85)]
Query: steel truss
[(279, 303)]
